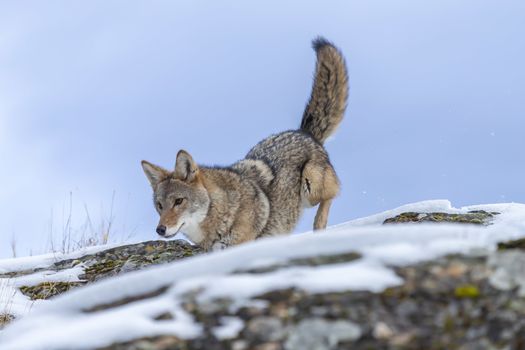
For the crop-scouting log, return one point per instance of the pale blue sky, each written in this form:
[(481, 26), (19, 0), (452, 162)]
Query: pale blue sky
[(88, 89)]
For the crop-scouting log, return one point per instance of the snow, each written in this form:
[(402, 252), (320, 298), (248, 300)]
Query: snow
[(211, 276), (12, 301), (439, 205), (45, 260), (229, 328), (365, 276)]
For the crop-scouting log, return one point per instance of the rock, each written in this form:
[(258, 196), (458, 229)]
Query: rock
[(448, 303), (477, 217), (165, 342), (47, 290), (382, 331), (473, 301), (229, 328), (104, 264), (310, 261), (131, 257), (515, 244), (402, 340), (266, 329), (127, 300), (268, 346), (509, 271), (321, 334), (109, 263)]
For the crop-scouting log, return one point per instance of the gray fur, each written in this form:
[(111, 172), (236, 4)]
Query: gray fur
[(286, 154)]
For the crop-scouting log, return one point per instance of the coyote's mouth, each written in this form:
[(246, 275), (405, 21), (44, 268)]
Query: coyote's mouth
[(177, 231)]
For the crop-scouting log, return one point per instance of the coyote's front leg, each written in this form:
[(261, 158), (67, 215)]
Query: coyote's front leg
[(239, 233), (218, 245)]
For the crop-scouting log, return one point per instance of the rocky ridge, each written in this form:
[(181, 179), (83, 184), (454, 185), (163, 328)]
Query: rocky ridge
[(469, 300)]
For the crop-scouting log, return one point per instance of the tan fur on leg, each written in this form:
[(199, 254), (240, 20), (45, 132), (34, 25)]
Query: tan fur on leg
[(311, 184), (318, 183), (319, 186), (321, 218)]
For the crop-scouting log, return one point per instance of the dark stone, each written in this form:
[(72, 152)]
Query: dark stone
[(127, 300)]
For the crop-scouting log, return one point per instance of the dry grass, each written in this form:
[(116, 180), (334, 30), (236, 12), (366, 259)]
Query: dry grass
[(75, 228), (6, 302), (71, 237), (5, 319), (12, 244)]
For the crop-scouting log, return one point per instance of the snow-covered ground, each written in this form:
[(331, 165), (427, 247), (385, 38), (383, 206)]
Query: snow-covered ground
[(12, 301), (211, 274)]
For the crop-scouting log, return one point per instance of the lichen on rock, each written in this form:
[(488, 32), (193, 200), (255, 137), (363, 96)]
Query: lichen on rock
[(513, 244), (107, 263), (46, 290), (130, 258), (476, 217), (467, 291)]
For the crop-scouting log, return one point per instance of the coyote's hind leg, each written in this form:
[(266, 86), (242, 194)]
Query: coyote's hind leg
[(319, 185), (321, 218)]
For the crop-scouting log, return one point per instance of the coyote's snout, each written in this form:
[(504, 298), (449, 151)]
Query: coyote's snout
[(264, 193)]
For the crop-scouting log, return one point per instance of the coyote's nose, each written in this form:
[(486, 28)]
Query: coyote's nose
[(161, 230)]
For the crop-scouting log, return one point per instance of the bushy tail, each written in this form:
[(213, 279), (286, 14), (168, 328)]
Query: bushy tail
[(329, 96)]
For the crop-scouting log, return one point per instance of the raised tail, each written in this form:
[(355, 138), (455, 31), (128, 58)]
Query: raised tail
[(329, 96)]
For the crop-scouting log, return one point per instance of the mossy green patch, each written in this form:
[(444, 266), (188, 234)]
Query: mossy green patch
[(467, 291), (102, 268)]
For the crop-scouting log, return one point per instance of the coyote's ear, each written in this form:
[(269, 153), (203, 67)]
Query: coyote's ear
[(154, 173), (185, 168)]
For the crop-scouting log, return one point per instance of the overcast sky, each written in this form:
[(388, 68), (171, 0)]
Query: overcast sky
[(88, 89)]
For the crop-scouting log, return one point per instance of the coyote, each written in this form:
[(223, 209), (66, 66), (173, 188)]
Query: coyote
[(263, 194)]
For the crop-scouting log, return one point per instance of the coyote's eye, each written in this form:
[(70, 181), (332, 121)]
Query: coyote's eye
[(178, 201), (159, 205)]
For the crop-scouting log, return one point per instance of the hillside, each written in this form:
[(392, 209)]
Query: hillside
[(425, 275)]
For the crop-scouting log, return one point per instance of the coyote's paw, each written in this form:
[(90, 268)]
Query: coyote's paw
[(218, 246)]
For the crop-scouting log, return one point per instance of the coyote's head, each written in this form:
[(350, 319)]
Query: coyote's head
[(179, 197)]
